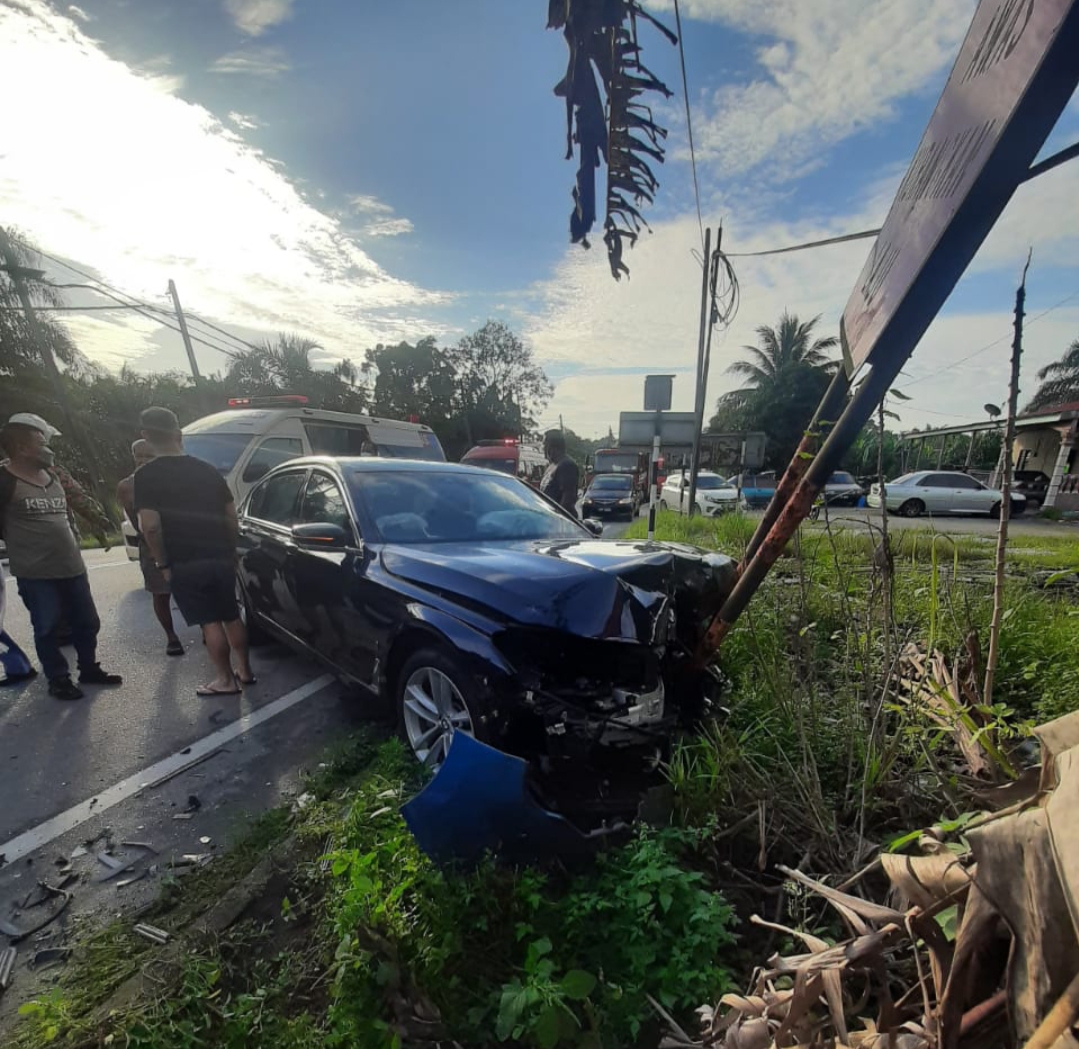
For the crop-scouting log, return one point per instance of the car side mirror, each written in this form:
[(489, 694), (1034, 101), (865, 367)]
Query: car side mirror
[(594, 526), (320, 536)]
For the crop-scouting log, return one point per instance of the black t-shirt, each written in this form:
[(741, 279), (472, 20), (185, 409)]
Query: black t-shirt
[(560, 483), (191, 497)]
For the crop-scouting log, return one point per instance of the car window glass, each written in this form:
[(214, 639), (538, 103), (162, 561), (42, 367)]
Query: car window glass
[(339, 440), (324, 503), (272, 452), (275, 500), (935, 481), (966, 483)]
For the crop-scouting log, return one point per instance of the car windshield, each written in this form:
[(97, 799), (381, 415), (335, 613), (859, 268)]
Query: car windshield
[(616, 462), (905, 479), (839, 477), (428, 451), (610, 482), (417, 506), (709, 482), (220, 450)]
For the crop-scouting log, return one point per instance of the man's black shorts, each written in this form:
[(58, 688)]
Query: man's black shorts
[(205, 591)]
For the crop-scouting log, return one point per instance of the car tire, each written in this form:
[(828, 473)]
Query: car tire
[(663, 504), (994, 511), (424, 704), (256, 635), (912, 508)]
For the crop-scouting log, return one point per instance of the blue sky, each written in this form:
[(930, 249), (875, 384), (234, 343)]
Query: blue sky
[(360, 172)]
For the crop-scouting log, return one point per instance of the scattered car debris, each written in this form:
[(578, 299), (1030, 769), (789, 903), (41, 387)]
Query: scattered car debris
[(16, 933), (205, 840), (50, 956), (152, 933), (183, 816), (139, 845), (7, 966), (79, 851), (191, 859), (138, 876)]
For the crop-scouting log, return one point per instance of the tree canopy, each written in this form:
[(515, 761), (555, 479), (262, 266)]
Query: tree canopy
[(1059, 381), (786, 375)]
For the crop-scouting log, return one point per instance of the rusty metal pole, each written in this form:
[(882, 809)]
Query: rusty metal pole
[(702, 378)]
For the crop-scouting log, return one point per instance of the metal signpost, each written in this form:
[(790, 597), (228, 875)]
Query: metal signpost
[(1015, 73)]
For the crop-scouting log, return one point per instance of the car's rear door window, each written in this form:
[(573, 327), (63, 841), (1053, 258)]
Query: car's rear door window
[(272, 452), (276, 500)]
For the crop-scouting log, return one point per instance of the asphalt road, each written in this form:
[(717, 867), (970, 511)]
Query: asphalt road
[(54, 755)]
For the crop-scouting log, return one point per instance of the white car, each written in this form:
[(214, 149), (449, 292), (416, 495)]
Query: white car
[(714, 494), (941, 492)]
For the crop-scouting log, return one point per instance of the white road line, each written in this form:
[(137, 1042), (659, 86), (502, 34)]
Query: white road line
[(52, 828), (109, 564)]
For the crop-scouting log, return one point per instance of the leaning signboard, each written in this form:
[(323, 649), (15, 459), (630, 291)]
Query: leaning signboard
[(1017, 69)]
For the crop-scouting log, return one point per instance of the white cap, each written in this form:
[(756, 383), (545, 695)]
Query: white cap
[(35, 422)]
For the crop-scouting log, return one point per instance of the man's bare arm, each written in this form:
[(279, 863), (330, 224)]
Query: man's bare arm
[(125, 496), (150, 526), (232, 522)]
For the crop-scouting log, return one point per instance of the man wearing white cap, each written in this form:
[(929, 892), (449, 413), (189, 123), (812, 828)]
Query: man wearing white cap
[(45, 557)]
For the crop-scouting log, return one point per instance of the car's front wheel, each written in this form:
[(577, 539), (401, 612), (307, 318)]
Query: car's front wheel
[(435, 699), (912, 508), (663, 504)]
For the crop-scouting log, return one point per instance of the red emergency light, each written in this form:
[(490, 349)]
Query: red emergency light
[(284, 401)]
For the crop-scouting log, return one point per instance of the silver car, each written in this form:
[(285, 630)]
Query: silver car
[(941, 492)]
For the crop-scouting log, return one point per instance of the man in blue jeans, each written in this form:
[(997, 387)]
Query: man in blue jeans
[(45, 557)]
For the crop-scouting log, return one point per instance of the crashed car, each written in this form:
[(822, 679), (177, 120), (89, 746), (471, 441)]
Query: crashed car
[(477, 605)]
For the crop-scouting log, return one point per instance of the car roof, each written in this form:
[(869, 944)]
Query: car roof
[(259, 420), (375, 465)]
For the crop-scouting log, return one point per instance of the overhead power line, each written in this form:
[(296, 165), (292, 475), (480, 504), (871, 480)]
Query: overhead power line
[(689, 120)]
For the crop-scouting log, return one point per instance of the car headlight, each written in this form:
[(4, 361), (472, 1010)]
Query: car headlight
[(624, 502)]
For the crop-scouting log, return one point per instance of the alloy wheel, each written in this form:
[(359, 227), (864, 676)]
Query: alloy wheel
[(433, 710)]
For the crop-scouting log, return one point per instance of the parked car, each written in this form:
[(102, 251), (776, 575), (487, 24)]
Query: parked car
[(842, 490), (611, 495), (477, 605), (941, 492), (757, 489), (1033, 484), (714, 494)]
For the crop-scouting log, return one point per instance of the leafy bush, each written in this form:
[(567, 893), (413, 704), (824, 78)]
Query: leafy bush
[(517, 955)]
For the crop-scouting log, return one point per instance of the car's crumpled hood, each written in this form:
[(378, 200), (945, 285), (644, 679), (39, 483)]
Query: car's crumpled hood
[(610, 590)]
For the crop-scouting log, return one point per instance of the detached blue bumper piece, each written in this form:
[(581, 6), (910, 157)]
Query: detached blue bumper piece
[(479, 802)]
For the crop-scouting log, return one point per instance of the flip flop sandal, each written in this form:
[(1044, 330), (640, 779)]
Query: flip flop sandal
[(174, 648), (209, 690)]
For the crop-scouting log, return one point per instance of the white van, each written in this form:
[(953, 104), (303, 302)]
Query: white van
[(255, 434)]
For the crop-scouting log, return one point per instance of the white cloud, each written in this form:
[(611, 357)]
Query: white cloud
[(825, 70), (78, 12), (253, 61), (389, 228), (254, 17), (171, 192), (364, 204), (244, 122)]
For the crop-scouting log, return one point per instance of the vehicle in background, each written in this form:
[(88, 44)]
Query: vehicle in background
[(714, 494), (842, 490), (611, 495), (475, 605), (258, 433), (941, 492), (757, 489), (618, 461), (509, 456), (1033, 484)]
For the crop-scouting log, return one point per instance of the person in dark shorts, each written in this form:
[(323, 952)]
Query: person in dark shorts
[(560, 481), (45, 558), (152, 577), (187, 518)]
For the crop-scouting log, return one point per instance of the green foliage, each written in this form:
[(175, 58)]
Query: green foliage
[(517, 954)]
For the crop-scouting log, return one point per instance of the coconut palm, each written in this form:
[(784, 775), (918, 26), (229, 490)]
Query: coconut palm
[(1059, 381), (788, 348), (785, 377)]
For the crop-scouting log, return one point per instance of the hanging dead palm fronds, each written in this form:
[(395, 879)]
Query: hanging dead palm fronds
[(603, 50)]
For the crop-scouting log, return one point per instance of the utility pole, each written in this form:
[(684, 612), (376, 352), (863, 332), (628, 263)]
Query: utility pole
[(187, 345), (39, 338), (561, 425), (702, 378)]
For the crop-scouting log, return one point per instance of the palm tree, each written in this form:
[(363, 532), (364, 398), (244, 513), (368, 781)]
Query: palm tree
[(785, 377), (1059, 381), (780, 351)]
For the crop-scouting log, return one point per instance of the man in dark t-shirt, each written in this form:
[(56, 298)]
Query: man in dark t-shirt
[(560, 481), (188, 519)]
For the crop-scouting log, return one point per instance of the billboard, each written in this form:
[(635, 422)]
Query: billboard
[(1015, 72), (676, 429)]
